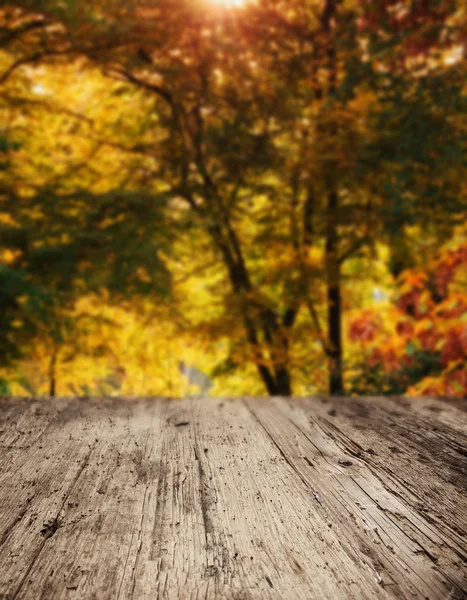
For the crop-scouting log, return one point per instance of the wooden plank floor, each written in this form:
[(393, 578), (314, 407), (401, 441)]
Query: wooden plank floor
[(244, 499)]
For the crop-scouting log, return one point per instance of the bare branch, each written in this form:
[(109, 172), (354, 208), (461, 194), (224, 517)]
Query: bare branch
[(130, 78), (355, 247), (19, 63), (19, 31), (199, 270), (49, 106), (316, 323)]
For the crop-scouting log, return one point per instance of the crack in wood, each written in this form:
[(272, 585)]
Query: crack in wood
[(218, 560), (9, 528), (140, 479), (315, 494), (381, 472), (161, 503)]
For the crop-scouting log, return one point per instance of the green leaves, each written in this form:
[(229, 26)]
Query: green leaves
[(22, 303)]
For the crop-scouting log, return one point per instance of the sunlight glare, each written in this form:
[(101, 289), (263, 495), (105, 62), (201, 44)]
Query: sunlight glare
[(228, 3)]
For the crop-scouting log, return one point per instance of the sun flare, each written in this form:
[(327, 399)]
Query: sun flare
[(229, 3)]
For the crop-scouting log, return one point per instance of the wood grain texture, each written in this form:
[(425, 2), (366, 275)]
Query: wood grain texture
[(311, 498)]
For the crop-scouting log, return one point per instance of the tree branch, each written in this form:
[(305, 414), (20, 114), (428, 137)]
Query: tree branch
[(353, 248), (160, 91), (18, 31), (328, 13), (19, 63)]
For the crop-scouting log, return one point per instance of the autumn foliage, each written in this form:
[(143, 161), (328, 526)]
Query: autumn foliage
[(270, 192), (424, 350)]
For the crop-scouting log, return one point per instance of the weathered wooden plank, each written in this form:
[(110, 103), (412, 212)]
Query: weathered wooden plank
[(169, 560), (233, 499), (99, 517), (398, 533), (23, 420), (33, 490), (267, 527), (419, 448)]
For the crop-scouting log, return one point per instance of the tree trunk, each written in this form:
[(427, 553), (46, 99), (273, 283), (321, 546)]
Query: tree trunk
[(277, 379), (333, 283), (53, 374), (283, 387), (264, 332), (333, 275)]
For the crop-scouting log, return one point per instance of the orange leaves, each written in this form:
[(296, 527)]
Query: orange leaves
[(445, 268), (453, 382), (389, 355), (405, 328), (456, 380), (365, 328), (427, 334), (438, 321), (452, 308), (419, 291), (429, 386), (421, 343), (381, 348), (412, 299), (455, 345), (412, 280)]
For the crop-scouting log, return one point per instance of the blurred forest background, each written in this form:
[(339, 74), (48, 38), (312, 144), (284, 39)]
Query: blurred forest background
[(272, 191)]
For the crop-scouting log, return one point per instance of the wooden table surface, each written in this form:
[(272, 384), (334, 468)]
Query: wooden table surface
[(248, 498)]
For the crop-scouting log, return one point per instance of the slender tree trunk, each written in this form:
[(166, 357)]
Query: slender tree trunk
[(333, 275), (263, 332), (284, 387), (53, 374), (277, 385), (264, 373), (333, 284), (276, 379)]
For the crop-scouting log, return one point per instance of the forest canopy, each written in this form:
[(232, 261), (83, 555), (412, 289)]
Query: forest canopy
[(272, 192)]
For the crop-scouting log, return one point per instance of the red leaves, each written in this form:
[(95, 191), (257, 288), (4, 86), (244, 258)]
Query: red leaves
[(387, 356), (420, 290), (404, 328), (452, 308), (365, 328), (446, 266), (430, 319), (411, 287), (427, 335), (455, 346)]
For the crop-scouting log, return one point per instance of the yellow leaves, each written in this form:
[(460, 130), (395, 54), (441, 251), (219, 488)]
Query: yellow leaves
[(131, 350), (142, 275), (7, 257), (143, 341), (429, 386), (279, 256), (453, 307), (313, 258), (363, 102), (74, 127)]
